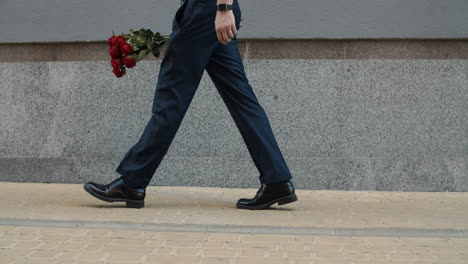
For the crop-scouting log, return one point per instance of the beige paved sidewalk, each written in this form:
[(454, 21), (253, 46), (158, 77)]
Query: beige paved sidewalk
[(61, 223), (65, 245), (216, 206)]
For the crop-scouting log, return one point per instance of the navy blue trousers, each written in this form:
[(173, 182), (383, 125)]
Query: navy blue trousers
[(192, 48)]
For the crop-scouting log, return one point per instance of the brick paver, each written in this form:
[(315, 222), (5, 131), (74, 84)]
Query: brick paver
[(28, 244), (25, 239)]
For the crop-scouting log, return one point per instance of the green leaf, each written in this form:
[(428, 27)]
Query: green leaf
[(141, 39), (149, 43), (142, 54)]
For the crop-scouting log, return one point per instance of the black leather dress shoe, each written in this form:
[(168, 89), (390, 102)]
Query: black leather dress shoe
[(268, 195), (115, 191)]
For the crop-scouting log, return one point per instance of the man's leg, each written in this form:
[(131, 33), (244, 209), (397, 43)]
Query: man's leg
[(226, 70), (191, 43)]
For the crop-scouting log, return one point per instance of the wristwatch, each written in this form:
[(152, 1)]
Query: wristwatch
[(224, 7)]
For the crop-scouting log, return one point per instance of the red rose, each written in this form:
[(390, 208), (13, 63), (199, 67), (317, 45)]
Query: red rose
[(114, 52), (126, 49), (121, 40), (116, 63), (118, 72), (129, 62), (113, 41)]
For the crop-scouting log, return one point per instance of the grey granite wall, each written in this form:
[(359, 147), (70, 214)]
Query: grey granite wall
[(341, 124), (90, 20)]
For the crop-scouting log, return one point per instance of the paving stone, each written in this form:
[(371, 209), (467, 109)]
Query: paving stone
[(122, 244), (216, 206), (263, 261), (218, 260), (250, 252), (174, 259), (219, 252)]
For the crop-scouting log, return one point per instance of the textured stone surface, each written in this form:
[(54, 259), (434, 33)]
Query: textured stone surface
[(30, 244), (88, 20), (260, 49), (213, 206), (61, 223), (341, 124)]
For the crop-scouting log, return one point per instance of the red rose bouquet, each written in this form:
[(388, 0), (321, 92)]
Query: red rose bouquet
[(128, 49)]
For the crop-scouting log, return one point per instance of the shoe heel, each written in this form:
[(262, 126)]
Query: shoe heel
[(135, 204), (289, 199)]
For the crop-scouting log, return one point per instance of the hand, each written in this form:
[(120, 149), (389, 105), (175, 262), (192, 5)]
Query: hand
[(225, 25)]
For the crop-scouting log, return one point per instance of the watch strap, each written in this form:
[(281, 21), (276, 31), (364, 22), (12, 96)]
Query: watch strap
[(224, 7)]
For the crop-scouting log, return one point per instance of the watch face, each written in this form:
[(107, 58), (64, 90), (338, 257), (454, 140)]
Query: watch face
[(222, 7)]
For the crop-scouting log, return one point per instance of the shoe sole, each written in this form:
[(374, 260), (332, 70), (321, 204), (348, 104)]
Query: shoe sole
[(128, 203), (280, 201)]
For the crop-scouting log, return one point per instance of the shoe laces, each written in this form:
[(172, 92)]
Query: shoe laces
[(115, 182)]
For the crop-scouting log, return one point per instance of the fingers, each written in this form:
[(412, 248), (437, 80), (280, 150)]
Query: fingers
[(223, 36), (231, 31), (226, 35), (220, 36), (234, 30), (226, 39), (226, 28)]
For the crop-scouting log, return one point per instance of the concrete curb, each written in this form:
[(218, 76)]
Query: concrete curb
[(279, 230)]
